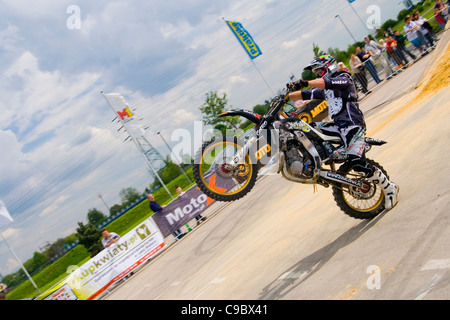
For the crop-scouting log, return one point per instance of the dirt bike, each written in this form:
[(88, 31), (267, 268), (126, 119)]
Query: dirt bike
[(226, 168)]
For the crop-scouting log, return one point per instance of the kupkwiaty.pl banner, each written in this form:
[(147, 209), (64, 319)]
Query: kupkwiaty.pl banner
[(111, 264)]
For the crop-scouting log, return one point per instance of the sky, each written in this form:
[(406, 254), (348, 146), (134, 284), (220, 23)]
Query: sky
[(60, 146)]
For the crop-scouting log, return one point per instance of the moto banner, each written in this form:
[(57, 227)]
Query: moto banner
[(180, 211)]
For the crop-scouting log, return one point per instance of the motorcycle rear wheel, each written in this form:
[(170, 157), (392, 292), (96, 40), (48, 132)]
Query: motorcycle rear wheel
[(359, 203), (212, 175)]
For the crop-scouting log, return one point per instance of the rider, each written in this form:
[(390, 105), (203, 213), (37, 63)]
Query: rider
[(338, 89)]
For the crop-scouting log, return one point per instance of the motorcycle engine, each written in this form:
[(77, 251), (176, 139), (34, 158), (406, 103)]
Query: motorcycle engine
[(298, 162)]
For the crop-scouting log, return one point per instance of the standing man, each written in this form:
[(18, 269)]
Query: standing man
[(156, 207), (366, 60)]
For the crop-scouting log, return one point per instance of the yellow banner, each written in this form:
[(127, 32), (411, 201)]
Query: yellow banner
[(245, 39)]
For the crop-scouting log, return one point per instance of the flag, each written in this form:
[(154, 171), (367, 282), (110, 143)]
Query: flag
[(245, 39), (122, 109), (5, 217), (350, 1)]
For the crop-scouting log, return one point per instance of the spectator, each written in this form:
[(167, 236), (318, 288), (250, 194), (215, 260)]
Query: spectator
[(425, 29), (342, 67), (411, 30), (156, 207), (378, 56), (359, 72), (383, 47), (109, 238), (391, 49), (400, 38), (366, 60), (440, 10), (181, 193)]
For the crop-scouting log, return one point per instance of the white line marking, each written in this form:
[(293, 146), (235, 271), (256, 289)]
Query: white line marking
[(214, 281), (425, 290), (217, 280), (436, 264), (202, 292)]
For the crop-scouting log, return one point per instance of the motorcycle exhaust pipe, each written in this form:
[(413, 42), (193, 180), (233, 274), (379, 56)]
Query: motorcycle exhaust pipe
[(329, 175)]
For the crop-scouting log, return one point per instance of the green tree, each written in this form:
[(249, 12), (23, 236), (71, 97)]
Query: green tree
[(213, 107), (170, 170), (402, 14), (95, 216), (89, 237), (129, 194), (339, 55), (33, 264), (115, 208), (55, 248), (261, 109), (317, 51), (308, 75)]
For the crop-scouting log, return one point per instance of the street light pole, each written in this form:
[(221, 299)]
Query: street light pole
[(345, 26), (101, 198), (178, 163)]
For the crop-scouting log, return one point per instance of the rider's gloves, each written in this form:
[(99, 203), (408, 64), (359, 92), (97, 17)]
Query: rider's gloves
[(297, 85)]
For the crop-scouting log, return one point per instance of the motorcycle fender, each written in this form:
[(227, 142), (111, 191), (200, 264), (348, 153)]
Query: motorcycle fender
[(249, 115)]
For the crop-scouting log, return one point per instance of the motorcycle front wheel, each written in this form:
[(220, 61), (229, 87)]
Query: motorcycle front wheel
[(360, 203), (215, 177)]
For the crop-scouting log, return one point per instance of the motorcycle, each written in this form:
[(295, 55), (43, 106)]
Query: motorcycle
[(226, 168)]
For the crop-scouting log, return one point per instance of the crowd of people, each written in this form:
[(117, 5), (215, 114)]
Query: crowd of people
[(391, 53)]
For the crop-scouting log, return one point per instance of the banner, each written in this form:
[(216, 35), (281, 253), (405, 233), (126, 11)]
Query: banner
[(180, 211), (111, 264), (245, 39), (123, 110), (62, 293), (5, 217)]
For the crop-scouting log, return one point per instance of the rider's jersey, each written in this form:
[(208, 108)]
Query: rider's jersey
[(340, 94)]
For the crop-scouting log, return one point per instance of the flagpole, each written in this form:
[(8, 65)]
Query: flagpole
[(20, 263), (254, 65), (359, 17), (262, 77)]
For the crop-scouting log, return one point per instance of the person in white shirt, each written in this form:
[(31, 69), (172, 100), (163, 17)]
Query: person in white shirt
[(425, 29), (378, 56), (109, 238), (411, 29)]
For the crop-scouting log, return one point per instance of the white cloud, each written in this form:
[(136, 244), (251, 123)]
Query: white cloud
[(54, 206), (10, 37), (290, 44)]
